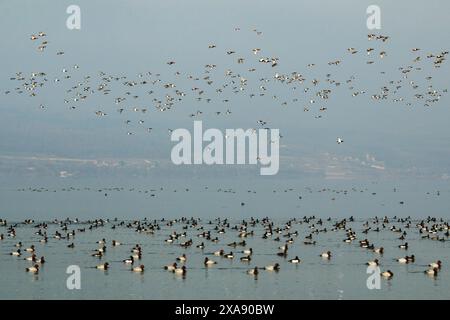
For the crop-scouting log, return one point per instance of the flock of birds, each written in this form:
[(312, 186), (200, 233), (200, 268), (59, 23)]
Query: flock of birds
[(153, 192), (180, 233), (253, 74)]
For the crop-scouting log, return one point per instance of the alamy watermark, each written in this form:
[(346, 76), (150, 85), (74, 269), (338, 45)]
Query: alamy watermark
[(374, 280), (74, 20), (74, 280), (190, 150), (374, 18)]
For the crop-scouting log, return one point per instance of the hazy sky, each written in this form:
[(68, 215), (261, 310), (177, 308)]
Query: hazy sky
[(383, 140)]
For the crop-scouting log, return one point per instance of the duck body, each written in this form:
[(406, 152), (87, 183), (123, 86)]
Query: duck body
[(275, 267), (33, 269), (295, 260), (138, 268)]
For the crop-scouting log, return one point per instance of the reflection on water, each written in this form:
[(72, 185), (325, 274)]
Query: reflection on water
[(342, 277)]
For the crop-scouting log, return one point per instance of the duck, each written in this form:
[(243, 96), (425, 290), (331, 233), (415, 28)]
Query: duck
[(181, 271), (387, 274), (373, 263), (102, 249), (253, 271), (404, 246), (208, 262), (31, 258), (437, 264), (284, 251), (275, 267), (171, 267), (295, 260), (326, 255), (30, 249), (378, 250), (72, 245), (219, 253), (402, 260), (103, 266), (246, 258), (182, 258), (130, 260), (137, 256), (16, 253), (229, 255), (115, 243), (248, 251), (33, 269), (432, 272), (97, 254), (200, 246), (138, 269)]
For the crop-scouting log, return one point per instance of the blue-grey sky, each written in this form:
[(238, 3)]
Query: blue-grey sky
[(386, 143)]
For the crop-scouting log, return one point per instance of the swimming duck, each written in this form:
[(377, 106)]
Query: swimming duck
[(31, 258), (402, 260), (229, 255), (30, 249), (200, 246), (33, 269), (373, 263), (432, 272), (284, 251), (437, 264), (138, 269), (379, 250), (326, 255), (129, 260), (97, 254), (246, 258), (103, 266), (275, 267), (387, 274), (219, 253), (209, 262), (116, 243), (102, 249), (17, 253), (182, 258), (171, 267), (247, 251), (253, 271), (137, 256), (181, 271), (404, 246), (295, 260)]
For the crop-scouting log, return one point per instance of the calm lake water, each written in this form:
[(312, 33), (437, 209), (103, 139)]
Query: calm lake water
[(342, 277)]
